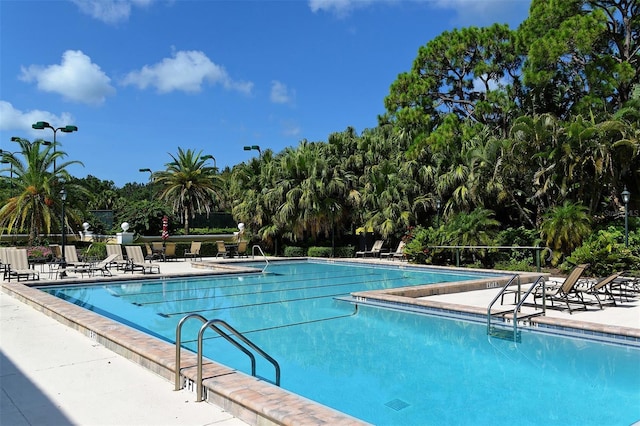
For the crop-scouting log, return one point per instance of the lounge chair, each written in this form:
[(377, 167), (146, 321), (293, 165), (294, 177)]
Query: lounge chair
[(93, 268), (169, 252), (194, 251), (565, 293), (398, 254), (71, 256), (119, 260), (4, 261), (18, 265), (242, 249), (137, 261), (600, 288), (222, 249), (376, 249)]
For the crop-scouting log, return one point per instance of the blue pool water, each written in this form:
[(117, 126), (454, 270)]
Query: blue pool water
[(384, 366)]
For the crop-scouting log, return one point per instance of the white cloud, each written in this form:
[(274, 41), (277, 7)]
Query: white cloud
[(110, 11), (12, 119), (485, 12), (185, 71), (76, 78), (340, 8), (290, 128), (281, 94)]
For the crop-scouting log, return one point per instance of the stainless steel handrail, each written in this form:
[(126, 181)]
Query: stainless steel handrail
[(177, 385), (213, 324), (253, 253), (517, 308), (520, 300)]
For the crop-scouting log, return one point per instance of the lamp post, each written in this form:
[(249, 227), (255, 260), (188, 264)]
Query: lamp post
[(626, 196), (210, 157), (147, 171), (63, 264), (256, 147), (40, 125), (438, 205), (333, 227)]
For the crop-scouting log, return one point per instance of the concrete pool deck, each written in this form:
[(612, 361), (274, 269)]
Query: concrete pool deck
[(51, 374)]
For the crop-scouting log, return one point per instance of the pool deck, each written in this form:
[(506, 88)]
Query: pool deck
[(64, 368)]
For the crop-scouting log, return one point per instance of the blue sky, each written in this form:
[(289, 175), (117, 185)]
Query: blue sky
[(141, 78)]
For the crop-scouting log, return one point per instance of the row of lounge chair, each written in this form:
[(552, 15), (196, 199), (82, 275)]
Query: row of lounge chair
[(574, 289), (378, 251)]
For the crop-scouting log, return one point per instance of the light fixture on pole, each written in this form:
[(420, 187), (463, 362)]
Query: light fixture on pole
[(41, 125), (63, 263), (147, 171), (210, 157), (256, 147), (438, 205), (626, 196)]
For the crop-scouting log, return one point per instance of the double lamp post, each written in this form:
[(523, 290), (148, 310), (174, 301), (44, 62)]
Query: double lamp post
[(41, 125)]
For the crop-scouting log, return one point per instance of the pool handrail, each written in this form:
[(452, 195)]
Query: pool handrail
[(253, 254), (177, 384), (212, 324), (519, 299)]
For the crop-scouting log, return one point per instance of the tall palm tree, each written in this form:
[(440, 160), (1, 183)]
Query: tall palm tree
[(37, 186), (189, 186)]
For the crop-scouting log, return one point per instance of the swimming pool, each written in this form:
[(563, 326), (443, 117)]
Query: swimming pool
[(384, 366)]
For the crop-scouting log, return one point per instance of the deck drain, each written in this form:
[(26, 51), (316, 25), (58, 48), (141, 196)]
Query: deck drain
[(397, 404)]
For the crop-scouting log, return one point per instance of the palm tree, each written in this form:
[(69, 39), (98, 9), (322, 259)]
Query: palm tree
[(564, 228), (189, 186), (37, 187)]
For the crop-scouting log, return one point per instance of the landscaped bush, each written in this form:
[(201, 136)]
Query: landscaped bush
[(319, 252), (293, 251), (345, 251), (606, 253)]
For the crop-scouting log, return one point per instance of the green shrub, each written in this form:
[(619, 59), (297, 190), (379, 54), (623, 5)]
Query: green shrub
[(606, 253), (292, 251), (95, 251), (345, 251), (516, 265), (319, 252)]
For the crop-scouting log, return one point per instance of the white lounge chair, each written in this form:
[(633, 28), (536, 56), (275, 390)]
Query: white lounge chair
[(19, 265)]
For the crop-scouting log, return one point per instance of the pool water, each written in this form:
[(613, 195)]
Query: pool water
[(383, 366)]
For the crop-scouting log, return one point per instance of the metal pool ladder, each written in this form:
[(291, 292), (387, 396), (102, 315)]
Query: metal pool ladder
[(217, 325), (503, 332)]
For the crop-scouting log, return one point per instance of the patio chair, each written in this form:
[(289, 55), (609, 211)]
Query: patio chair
[(103, 265), (169, 252), (398, 254), (119, 260), (71, 256), (194, 251), (601, 288), (18, 265), (376, 249), (222, 249), (242, 249), (137, 261), (149, 252), (565, 293), (4, 261)]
